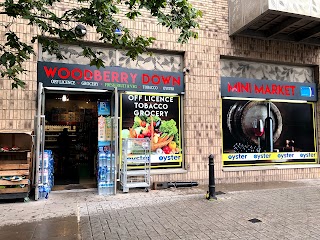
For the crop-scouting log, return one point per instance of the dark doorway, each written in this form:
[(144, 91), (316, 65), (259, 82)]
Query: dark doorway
[(72, 135)]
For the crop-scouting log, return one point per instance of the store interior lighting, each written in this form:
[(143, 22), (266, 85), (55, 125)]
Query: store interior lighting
[(248, 99), (64, 98), (288, 100), (153, 93)]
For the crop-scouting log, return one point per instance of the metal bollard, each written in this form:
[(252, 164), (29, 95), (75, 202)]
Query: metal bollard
[(212, 186)]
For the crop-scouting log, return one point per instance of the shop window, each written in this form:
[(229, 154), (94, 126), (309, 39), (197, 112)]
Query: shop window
[(268, 114), (248, 138), (156, 117)]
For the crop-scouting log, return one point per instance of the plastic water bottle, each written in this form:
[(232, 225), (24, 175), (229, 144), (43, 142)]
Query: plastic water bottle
[(103, 173), (110, 189), (107, 174), (107, 192), (108, 158), (41, 195), (46, 192), (102, 159), (40, 192), (101, 189), (99, 174)]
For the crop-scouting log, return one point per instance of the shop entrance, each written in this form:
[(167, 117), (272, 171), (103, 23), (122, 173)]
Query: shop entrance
[(71, 133), (67, 125)]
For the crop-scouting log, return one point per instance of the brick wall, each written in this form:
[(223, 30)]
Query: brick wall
[(202, 119)]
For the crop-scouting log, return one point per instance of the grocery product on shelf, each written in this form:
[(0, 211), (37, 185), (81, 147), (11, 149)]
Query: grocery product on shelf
[(105, 162), (46, 177)]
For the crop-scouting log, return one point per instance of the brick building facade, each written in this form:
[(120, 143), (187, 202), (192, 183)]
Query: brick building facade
[(202, 120)]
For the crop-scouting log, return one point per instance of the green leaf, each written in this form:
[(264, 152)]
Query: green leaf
[(101, 16)]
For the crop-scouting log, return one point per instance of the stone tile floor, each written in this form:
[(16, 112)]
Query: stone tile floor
[(286, 210)]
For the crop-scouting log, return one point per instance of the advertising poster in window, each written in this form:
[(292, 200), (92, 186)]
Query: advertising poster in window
[(268, 132), (156, 117)]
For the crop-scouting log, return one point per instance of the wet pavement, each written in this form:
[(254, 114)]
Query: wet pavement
[(276, 210), (65, 228)]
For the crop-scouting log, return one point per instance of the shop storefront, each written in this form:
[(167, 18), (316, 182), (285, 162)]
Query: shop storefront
[(99, 108), (268, 122)]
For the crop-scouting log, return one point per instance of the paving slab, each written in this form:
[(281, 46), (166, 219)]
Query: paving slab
[(283, 210)]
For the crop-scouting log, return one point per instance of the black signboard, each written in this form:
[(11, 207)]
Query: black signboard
[(268, 89), (53, 74)]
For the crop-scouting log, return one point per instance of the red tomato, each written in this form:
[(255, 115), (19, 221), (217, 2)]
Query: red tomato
[(148, 134), (154, 124), (143, 124), (166, 149), (140, 136)]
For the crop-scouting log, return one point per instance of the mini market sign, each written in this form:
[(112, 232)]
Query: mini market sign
[(268, 89), (83, 76)]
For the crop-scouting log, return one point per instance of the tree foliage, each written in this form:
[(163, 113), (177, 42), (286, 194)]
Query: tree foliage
[(103, 15)]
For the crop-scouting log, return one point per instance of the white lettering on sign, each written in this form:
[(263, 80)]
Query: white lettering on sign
[(68, 82), (94, 84), (150, 87), (168, 88)]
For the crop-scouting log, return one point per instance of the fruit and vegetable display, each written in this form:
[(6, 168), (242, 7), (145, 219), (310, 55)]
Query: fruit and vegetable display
[(163, 134)]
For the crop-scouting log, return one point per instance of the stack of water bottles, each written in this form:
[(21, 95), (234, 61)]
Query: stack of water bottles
[(105, 173), (46, 177)]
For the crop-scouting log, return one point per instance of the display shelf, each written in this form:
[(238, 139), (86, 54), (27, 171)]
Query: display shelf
[(52, 147), (14, 190), (56, 135), (73, 140), (48, 130), (137, 172), (52, 139), (137, 185), (65, 123), (135, 178), (19, 151), (11, 183), (15, 172), (15, 164)]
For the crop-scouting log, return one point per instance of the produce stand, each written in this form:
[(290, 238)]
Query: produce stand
[(135, 172), (15, 165)]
